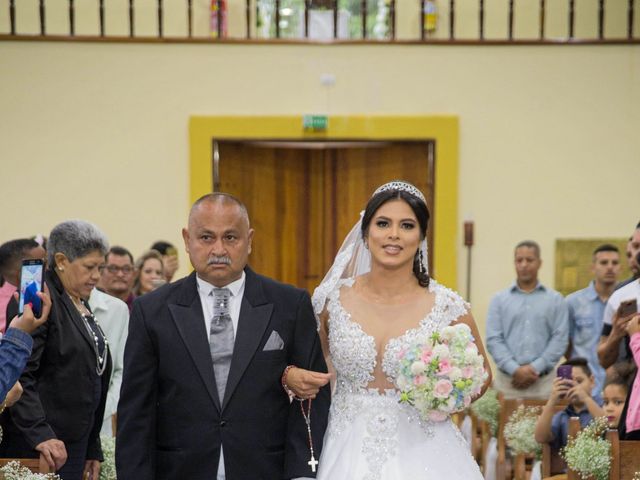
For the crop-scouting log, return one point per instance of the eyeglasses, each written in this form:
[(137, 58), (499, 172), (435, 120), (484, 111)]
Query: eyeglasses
[(127, 269)]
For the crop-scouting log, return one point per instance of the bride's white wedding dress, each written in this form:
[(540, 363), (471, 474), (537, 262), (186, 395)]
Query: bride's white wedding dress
[(371, 436)]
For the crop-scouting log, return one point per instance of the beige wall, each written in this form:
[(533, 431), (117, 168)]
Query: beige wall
[(549, 143)]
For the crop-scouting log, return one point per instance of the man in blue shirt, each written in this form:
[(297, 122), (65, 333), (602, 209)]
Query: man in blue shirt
[(527, 330), (586, 309)]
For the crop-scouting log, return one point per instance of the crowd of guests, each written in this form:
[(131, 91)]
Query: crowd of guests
[(89, 290), (77, 341), (531, 327)]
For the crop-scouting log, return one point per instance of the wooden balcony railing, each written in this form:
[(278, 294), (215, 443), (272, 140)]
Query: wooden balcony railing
[(329, 21)]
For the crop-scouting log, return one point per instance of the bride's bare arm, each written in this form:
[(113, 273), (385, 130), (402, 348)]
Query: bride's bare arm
[(305, 383), (471, 323)]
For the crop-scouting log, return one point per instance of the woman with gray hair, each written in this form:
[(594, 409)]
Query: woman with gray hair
[(66, 379)]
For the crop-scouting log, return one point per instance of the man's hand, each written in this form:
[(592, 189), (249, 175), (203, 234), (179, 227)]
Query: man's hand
[(633, 325), (13, 395), (305, 383), (524, 377), (91, 470), (54, 453), (619, 326), (27, 322)]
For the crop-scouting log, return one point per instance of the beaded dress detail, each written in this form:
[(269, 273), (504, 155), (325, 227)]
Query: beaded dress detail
[(371, 436)]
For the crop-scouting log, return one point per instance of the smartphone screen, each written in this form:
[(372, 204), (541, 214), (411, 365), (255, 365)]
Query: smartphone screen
[(31, 282), (628, 307), (564, 371)]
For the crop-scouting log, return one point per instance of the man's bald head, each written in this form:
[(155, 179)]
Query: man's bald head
[(220, 198)]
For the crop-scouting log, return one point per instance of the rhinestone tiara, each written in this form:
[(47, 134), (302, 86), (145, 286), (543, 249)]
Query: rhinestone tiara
[(402, 186)]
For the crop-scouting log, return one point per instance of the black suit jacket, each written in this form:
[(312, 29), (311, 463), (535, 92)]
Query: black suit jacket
[(59, 384), (170, 421)]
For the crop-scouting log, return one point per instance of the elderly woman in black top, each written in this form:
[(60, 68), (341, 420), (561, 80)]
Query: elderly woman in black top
[(66, 379)]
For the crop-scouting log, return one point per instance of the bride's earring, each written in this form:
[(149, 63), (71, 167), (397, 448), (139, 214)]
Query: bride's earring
[(421, 261)]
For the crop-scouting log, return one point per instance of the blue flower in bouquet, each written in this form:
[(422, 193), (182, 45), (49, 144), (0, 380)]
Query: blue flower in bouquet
[(440, 374)]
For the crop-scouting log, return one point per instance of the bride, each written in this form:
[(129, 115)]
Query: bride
[(376, 298)]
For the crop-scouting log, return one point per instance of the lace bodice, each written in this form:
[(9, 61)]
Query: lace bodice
[(353, 352)]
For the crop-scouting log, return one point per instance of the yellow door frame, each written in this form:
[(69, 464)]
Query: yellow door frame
[(443, 129)]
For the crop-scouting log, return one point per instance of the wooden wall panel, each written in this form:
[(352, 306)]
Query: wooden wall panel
[(302, 202)]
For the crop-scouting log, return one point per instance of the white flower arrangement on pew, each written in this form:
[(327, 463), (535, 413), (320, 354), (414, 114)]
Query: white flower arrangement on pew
[(108, 466), (519, 431), (487, 409), (14, 470), (589, 454)]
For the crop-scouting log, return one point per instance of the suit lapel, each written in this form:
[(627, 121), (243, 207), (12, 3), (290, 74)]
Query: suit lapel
[(255, 314), (71, 309), (187, 315)]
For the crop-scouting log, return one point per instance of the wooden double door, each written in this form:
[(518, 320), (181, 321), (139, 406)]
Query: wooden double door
[(304, 197)]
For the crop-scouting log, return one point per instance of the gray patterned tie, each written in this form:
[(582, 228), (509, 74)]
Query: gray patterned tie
[(221, 338)]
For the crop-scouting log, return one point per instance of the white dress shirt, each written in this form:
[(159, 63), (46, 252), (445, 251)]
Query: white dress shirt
[(205, 290), (112, 314)]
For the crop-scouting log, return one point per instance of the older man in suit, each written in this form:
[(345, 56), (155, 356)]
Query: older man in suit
[(201, 395)]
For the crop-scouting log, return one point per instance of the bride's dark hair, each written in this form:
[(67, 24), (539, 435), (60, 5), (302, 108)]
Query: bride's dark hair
[(419, 209)]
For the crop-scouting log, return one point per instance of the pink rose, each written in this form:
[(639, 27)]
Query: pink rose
[(419, 380), (468, 372), (437, 416), (444, 367), (442, 388), (426, 356)]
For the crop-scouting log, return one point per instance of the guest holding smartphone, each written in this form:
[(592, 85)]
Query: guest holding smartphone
[(575, 386), (67, 376), (15, 348)]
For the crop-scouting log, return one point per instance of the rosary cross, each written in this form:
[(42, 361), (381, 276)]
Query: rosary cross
[(313, 462)]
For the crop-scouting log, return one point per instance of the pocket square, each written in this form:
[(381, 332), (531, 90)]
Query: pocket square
[(274, 342)]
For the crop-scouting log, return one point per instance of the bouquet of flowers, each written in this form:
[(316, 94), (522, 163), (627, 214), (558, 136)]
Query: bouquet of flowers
[(440, 374), (14, 470), (519, 431), (487, 409), (588, 453)]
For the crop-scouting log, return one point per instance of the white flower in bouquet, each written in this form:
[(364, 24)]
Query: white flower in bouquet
[(439, 374)]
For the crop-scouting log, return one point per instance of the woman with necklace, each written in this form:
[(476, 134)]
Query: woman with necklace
[(66, 379)]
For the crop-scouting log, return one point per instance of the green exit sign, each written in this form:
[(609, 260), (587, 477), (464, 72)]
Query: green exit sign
[(315, 123)]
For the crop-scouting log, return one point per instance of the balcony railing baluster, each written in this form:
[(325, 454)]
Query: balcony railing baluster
[(363, 3), (12, 16), (160, 21), (481, 20), (510, 19), (43, 28), (630, 16), (72, 18), (131, 19), (543, 15), (452, 19), (190, 18), (101, 17), (572, 17)]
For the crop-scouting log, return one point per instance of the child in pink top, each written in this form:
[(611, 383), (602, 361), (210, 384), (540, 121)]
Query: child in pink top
[(633, 408)]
